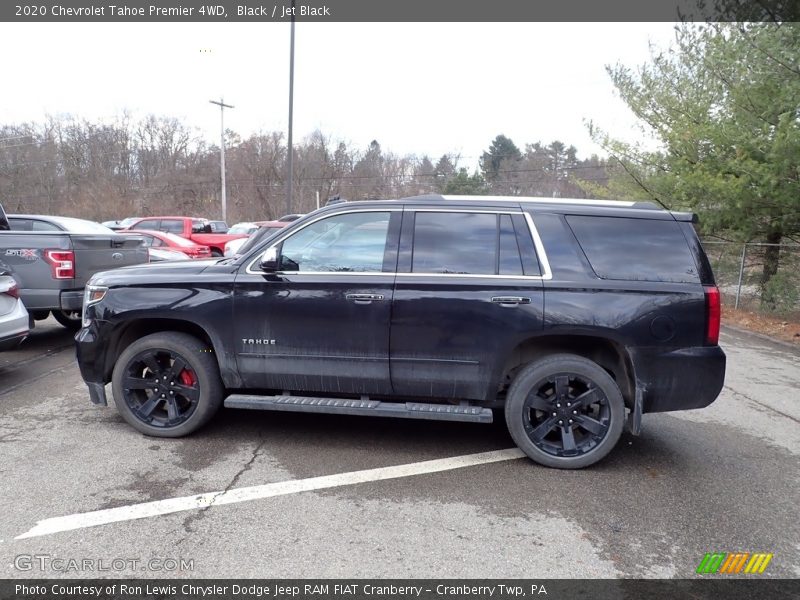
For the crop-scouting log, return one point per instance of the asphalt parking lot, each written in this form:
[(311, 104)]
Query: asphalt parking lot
[(721, 479)]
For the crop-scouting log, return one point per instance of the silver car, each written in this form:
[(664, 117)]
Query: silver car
[(13, 316)]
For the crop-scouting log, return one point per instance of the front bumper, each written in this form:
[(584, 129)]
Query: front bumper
[(97, 393), (680, 379), (91, 353)]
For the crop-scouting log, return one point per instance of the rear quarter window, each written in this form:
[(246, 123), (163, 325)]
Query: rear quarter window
[(635, 249)]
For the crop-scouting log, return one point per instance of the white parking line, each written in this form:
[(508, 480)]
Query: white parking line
[(256, 492)]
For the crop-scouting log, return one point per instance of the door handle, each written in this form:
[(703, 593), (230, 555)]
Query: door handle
[(364, 298), (510, 300)]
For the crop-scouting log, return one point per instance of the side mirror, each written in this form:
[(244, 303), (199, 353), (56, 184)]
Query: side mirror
[(269, 262)]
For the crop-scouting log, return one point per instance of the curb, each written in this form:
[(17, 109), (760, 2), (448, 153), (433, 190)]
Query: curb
[(766, 338)]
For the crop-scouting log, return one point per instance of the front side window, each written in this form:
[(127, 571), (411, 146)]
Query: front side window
[(353, 242)]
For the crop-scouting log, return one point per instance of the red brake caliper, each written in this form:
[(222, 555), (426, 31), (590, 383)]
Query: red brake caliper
[(187, 378)]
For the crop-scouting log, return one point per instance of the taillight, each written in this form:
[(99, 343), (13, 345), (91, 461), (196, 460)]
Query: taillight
[(62, 263), (13, 291), (713, 314)]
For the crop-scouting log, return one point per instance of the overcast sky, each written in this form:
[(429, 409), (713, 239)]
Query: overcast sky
[(421, 88)]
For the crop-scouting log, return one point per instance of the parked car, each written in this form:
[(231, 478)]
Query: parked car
[(163, 254), (245, 228), (290, 218), (572, 317), (14, 319), (267, 228), (191, 228), (52, 258), (218, 226), (161, 239), (116, 225)]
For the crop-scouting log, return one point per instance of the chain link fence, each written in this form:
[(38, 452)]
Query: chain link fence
[(739, 271)]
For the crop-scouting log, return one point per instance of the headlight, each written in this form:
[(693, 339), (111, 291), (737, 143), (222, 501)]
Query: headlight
[(91, 295)]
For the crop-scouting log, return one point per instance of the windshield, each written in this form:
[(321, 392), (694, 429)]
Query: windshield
[(127, 222), (259, 236)]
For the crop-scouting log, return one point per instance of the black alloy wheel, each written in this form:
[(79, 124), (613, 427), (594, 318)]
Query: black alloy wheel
[(566, 415), (167, 384), (565, 411), (159, 388)]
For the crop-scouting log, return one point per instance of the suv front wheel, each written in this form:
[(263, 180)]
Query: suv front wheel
[(167, 384), (565, 411)]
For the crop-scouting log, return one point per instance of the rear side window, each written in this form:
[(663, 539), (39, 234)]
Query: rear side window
[(635, 249), (171, 226), (472, 244), (45, 226), (510, 261), (32, 225), (464, 243)]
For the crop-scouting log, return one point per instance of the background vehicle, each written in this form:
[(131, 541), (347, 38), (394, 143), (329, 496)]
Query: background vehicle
[(574, 317), (161, 239), (164, 254), (267, 228), (244, 227), (14, 319), (116, 225), (197, 230), (52, 258), (289, 218), (218, 226)]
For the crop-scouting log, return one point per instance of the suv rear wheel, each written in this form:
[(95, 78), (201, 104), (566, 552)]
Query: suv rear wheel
[(565, 411), (167, 384)]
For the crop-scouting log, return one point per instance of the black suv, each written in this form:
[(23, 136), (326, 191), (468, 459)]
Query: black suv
[(570, 316)]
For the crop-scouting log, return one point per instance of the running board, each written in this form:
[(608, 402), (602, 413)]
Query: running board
[(365, 407)]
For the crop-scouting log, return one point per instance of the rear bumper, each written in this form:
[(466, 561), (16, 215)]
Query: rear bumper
[(52, 299), (681, 379), (14, 326), (12, 341), (72, 300)]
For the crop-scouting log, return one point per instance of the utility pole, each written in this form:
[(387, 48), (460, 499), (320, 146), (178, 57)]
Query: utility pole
[(222, 107), (289, 166)]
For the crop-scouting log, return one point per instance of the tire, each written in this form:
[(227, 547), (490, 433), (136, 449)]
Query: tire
[(216, 253), (180, 369), (565, 412), (71, 319)]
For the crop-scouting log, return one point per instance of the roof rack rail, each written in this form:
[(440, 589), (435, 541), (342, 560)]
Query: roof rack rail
[(337, 199), (544, 200)]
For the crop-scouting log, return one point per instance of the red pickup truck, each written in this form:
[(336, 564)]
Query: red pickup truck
[(191, 228)]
